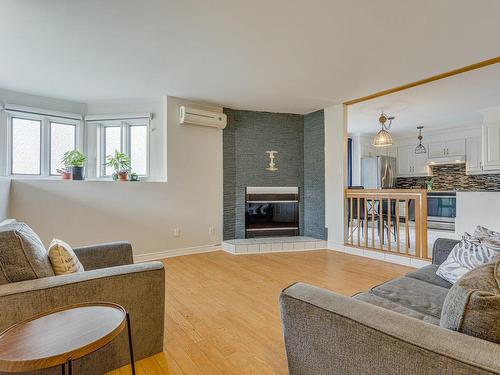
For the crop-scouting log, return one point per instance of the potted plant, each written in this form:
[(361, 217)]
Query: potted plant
[(120, 163), (75, 160), (65, 173)]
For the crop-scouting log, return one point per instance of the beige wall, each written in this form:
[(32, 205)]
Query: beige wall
[(145, 213)]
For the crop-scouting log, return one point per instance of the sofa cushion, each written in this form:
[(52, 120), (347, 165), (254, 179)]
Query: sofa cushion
[(414, 294), (468, 254), (428, 274), (389, 305), (473, 304), (22, 254)]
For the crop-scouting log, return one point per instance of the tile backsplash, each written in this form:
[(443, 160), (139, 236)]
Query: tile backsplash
[(452, 177)]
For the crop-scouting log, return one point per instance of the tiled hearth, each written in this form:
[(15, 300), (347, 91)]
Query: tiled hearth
[(272, 244)]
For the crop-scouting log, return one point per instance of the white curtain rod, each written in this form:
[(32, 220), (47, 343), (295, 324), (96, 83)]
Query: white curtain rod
[(122, 116), (41, 112)]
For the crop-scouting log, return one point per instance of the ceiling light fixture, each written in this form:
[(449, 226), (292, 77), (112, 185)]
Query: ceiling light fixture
[(420, 149), (383, 138)]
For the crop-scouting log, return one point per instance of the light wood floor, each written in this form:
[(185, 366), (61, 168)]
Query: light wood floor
[(222, 314)]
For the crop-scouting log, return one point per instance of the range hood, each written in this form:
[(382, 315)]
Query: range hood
[(457, 159)]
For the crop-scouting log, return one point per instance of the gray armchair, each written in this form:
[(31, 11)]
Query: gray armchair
[(111, 276)]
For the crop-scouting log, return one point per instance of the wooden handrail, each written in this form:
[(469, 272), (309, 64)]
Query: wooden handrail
[(385, 211)]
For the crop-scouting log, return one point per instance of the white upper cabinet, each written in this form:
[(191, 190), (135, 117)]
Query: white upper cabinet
[(474, 156), (455, 147), (491, 147), (420, 167), (369, 151), (411, 164), (445, 149), (437, 150)]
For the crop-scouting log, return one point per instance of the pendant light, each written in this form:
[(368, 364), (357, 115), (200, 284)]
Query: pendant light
[(420, 149), (383, 138)]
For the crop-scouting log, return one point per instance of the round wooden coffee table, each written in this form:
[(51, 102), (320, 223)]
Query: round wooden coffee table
[(60, 336)]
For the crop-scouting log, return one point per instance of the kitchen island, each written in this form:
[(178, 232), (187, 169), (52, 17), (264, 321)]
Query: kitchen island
[(477, 208)]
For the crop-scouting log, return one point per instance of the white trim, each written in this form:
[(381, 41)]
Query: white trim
[(118, 116), (383, 256), (41, 112), (175, 252)]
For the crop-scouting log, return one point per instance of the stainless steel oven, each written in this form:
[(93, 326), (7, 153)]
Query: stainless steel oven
[(441, 210)]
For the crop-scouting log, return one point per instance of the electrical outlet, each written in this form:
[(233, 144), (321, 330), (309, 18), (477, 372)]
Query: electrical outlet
[(211, 230), (177, 232)]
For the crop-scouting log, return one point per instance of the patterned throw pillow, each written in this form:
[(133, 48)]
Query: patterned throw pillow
[(63, 258), (487, 237), (468, 254)]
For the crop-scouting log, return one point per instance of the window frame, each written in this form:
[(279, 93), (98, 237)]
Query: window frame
[(125, 126), (68, 123), (45, 140), (10, 154)]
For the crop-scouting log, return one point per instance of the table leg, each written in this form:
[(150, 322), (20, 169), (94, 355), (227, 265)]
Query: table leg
[(131, 349), (63, 369), (70, 367)]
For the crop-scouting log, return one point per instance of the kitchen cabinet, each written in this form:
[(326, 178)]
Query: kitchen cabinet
[(411, 164), (474, 163), (455, 147), (444, 149), (369, 151), (491, 147)]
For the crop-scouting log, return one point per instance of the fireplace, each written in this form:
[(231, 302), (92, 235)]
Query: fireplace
[(271, 211)]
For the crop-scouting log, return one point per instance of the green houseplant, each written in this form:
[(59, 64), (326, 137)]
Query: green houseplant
[(120, 163), (74, 160)]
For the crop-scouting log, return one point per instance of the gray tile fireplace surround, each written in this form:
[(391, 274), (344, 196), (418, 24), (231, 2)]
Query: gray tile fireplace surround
[(299, 140)]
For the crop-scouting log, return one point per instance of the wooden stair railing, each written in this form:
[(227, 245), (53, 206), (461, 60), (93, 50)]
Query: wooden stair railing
[(391, 221)]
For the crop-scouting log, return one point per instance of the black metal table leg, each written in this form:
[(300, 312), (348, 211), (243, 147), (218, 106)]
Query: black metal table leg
[(131, 349), (63, 369), (70, 367)]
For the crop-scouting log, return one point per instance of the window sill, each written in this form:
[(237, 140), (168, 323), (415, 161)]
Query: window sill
[(57, 178)]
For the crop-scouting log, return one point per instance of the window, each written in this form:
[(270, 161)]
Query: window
[(130, 137), (112, 143), (26, 146), (138, 149), (62, 139), (36, 142)]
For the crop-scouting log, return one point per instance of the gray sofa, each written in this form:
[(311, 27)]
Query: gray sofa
[(110, 275), (392, 329)]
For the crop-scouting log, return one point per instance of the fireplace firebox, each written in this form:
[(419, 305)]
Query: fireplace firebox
[(271, 211)]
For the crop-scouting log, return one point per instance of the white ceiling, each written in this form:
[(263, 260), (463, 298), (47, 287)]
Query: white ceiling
[(281, 55), (448, 103)]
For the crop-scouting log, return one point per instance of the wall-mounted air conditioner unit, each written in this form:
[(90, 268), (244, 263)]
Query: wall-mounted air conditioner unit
[(189, 115)]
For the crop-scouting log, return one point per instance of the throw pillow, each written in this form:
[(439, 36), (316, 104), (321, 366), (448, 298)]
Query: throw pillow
[(7, 221), (487, 237), (22, 254), (465, 256), (63, 258), (472, 306)]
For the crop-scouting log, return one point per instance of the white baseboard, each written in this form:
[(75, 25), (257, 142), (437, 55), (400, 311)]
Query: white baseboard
[(384, 256), (175, 253)]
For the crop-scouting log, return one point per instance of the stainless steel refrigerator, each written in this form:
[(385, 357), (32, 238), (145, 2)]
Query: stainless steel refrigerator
[(378, 172)]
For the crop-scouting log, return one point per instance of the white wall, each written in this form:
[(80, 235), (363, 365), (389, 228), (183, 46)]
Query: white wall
[(477, 208), (145, 213), (335, 173)]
